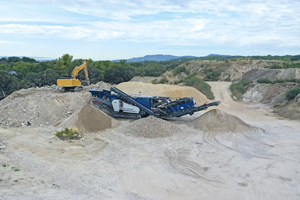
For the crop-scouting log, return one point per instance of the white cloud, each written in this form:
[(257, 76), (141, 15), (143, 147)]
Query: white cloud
[(44, 31), (9, 42), (125, 9), (234, 23), (154, 31)]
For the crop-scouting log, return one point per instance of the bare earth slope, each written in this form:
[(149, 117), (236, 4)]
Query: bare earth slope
[(272, 74)]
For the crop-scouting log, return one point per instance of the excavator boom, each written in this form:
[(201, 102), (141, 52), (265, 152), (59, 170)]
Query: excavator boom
[(77, 69)]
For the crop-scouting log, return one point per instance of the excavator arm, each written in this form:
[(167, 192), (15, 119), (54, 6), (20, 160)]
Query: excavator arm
[(77, 69)]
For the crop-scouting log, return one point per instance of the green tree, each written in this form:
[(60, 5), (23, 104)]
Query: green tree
[(48, 77), (13, 59), (122, 62), (100, 65), (63, 64), (22, 68), (3, 67), (8, 83), (103, 65), (90, 62), (117, 74), (95, 75), (30, 60), (4, 60), (41, 66), (140, 71), (32, 80), (153, 69)]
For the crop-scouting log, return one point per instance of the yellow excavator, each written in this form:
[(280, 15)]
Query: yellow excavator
[(71, 83)]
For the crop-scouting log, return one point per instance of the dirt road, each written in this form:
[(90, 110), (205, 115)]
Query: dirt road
[(192, 164)]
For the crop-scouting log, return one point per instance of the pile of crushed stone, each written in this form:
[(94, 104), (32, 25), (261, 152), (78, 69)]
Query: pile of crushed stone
[(43, 106), (89, 119), (219, 121), (151, 127)]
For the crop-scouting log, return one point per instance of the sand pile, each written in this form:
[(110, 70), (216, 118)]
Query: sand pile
[(89, 119), (219, 121), (151, 127), (135, 88)]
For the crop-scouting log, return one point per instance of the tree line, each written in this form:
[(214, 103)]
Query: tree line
[(18, 73), (22, 73)]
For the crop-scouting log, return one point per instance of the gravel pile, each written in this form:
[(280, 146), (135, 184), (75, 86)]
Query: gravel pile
[(219, 121), (43, 106), (98, 86), (151, 127), (89, 119)]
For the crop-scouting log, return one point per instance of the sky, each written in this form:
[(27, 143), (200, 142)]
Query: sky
[(123, 29)]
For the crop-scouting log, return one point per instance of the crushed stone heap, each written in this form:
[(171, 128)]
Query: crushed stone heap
[(89, 119), (219, 121), (43, 106), (151, 127)]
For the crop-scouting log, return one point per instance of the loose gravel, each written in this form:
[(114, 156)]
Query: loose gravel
[(151, 127)]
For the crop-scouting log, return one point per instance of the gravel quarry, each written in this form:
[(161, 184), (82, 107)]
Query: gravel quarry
[(237, 150)]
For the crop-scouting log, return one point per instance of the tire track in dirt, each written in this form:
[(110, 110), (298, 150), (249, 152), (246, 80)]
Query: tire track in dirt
[(183, 163), (239, 142)]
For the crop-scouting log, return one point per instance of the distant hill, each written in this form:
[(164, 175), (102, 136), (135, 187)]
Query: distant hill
[(211, 55), (157, 57)]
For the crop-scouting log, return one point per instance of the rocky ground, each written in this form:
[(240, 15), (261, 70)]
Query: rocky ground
[(248, 153)]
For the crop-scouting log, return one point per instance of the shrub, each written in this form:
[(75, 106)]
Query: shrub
[(163, 80), (180, 69), (292, 93), (264, 80), (154, 81), (68, 134), (212, 74), (200, 85), (238, 89), (228, 79), (281, 81)]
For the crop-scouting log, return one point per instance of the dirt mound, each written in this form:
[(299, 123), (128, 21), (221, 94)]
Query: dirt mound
[(272, 74), (135, 88), (151, 127), (268, 93), (43, 106), (89, 119), (290, 110), (219, 121)]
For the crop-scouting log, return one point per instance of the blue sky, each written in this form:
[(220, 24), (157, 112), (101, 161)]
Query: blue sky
[(122, 29)]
